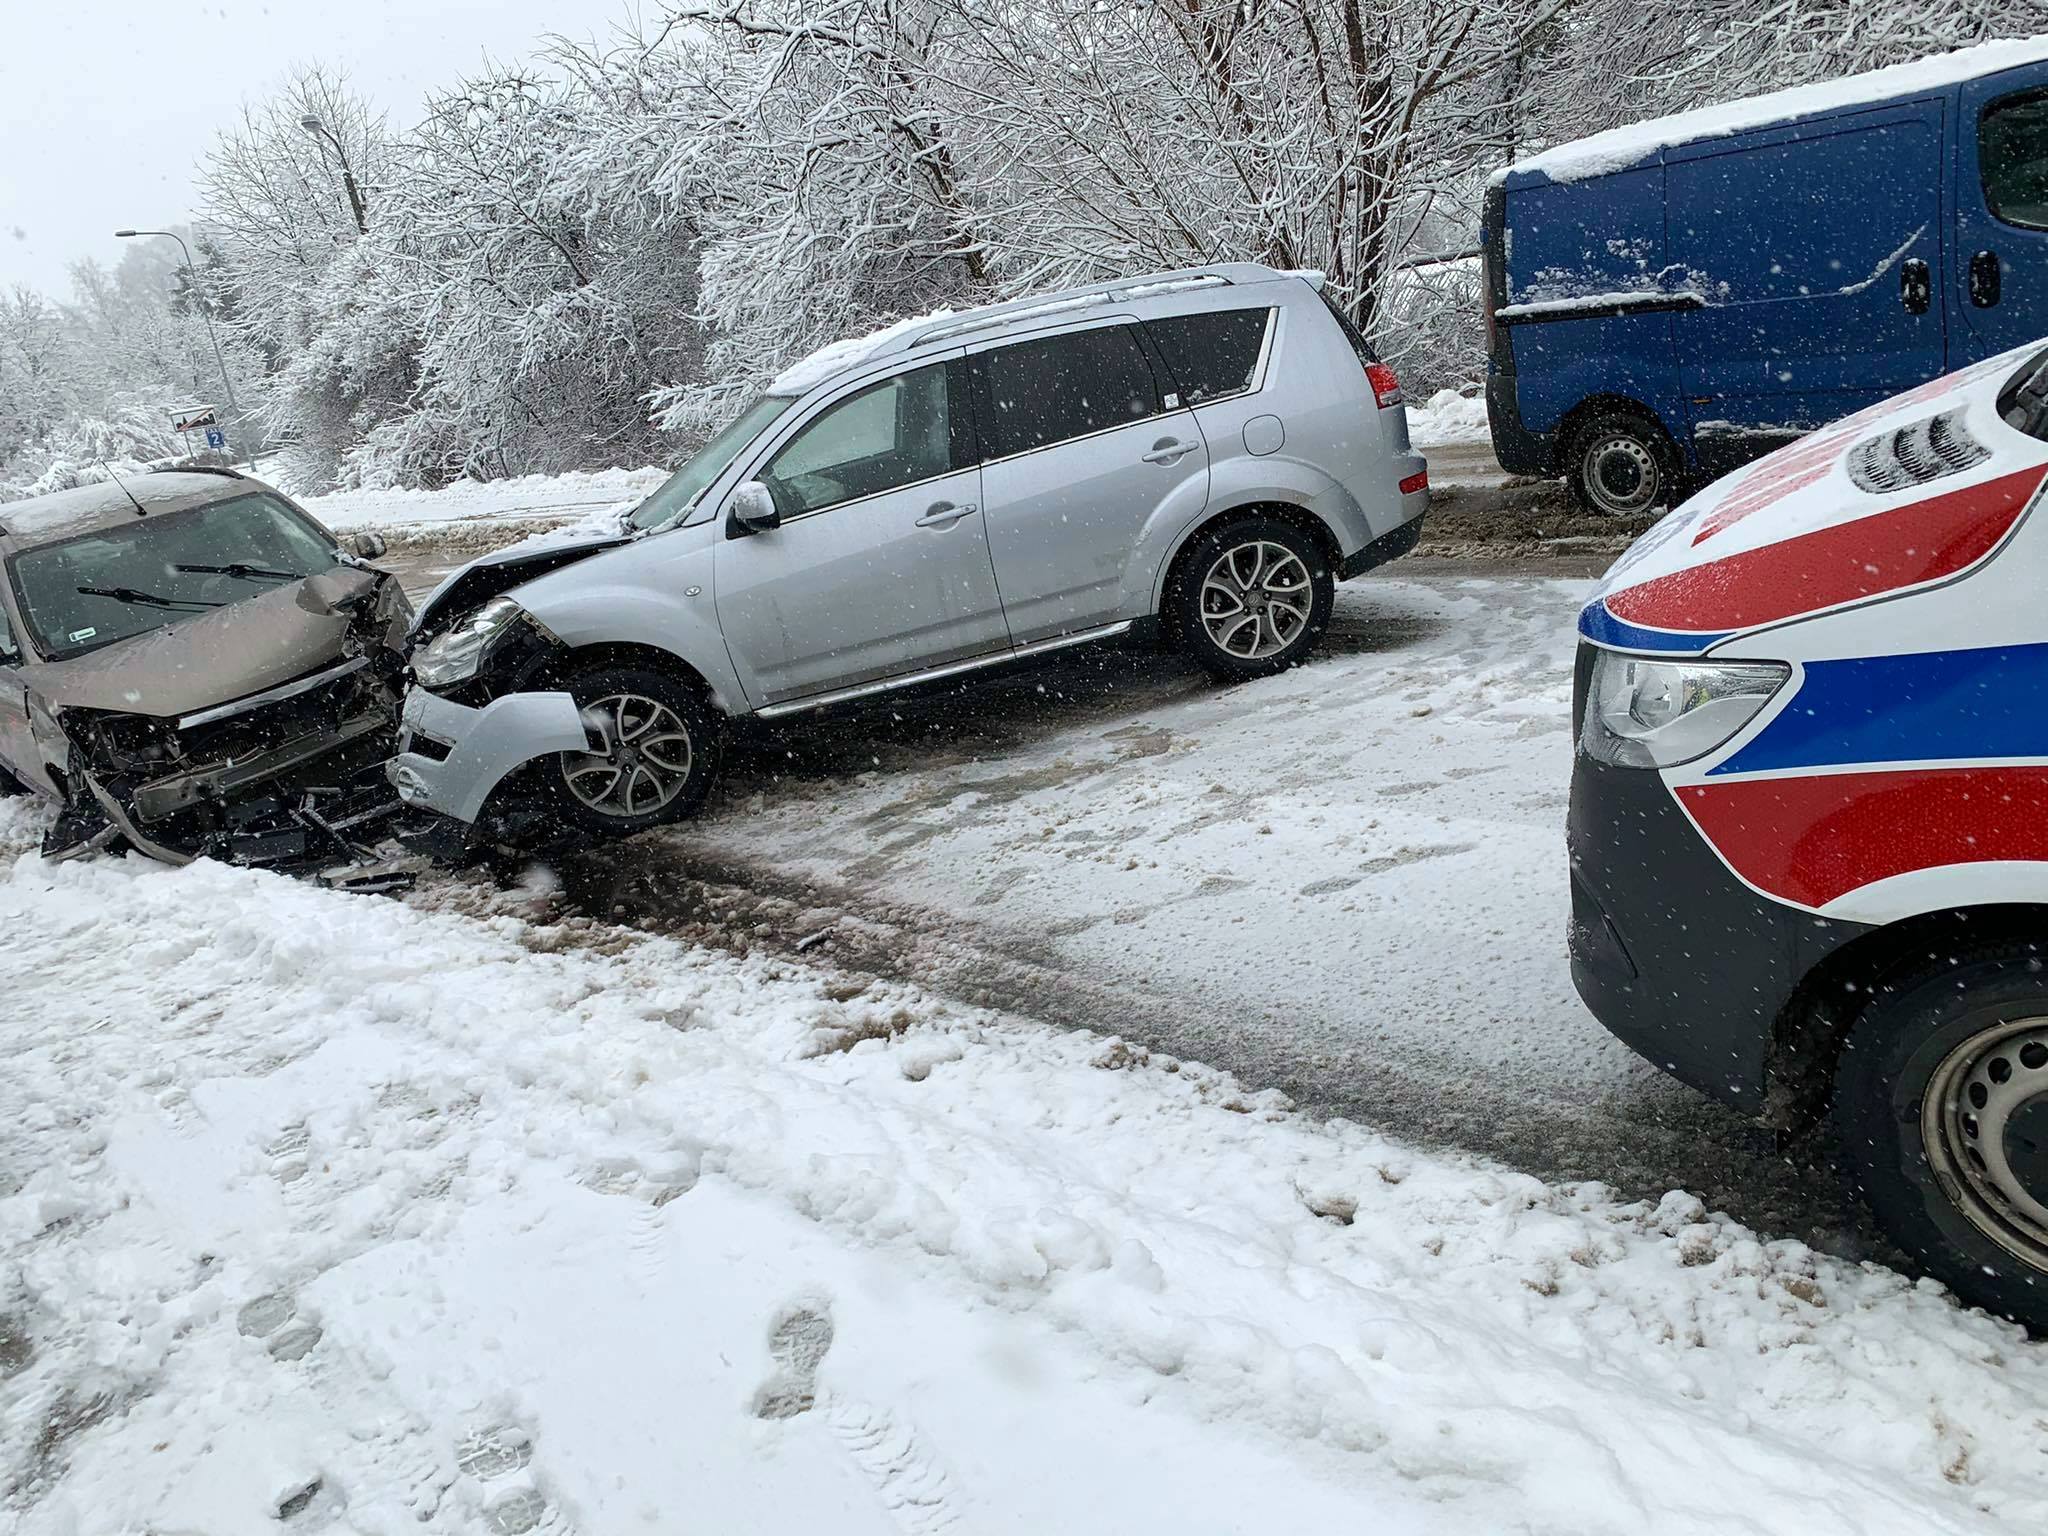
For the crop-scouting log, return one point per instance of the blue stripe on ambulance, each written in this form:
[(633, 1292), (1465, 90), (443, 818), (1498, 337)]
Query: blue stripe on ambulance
[(1935, 706)]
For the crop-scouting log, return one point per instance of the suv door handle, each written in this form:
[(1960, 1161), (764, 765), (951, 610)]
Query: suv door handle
[(1916, 285), (1166, 450), (943, 514), (1984, 279)]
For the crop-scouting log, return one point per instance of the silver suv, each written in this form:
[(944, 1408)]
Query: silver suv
[(1206, 451)]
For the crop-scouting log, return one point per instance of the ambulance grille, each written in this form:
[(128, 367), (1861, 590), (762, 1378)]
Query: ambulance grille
[(1913, 455)]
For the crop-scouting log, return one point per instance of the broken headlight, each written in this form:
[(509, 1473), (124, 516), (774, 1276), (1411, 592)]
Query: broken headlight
[(454, 655), (1654, 714)]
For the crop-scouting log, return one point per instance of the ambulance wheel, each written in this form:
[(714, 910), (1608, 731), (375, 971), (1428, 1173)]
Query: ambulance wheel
[(1620, 464), (1941, 1104)]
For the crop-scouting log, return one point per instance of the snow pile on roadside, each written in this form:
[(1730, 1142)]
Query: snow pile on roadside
[(1448, 417), (403, 1216), (572, 496)]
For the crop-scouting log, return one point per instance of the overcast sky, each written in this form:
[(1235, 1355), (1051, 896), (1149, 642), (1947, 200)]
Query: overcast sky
[(108, 104)]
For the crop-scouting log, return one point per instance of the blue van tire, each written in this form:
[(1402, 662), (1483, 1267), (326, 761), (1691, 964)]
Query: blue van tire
[(1621, 464), (1912, 1075)]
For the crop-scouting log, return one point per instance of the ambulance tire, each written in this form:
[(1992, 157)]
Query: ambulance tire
[(1968, 1032)]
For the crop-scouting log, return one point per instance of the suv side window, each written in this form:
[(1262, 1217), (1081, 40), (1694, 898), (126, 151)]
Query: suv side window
[(9, 651), (884, 437), (1212, 355), (1042, 392), (2012, 156)]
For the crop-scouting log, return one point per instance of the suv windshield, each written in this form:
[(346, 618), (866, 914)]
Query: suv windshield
[(85, 592), (707, 464)]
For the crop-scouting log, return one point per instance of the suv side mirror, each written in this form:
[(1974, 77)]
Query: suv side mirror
[(368, 545), (754, 509)]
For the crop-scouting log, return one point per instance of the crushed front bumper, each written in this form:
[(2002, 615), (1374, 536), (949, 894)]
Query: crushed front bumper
[(450, 756)]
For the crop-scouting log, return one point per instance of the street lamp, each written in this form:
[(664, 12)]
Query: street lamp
[(312, 124), (199, 299)]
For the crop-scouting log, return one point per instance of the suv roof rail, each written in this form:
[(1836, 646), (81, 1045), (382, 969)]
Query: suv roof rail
[(199, 469), (1114, 290)]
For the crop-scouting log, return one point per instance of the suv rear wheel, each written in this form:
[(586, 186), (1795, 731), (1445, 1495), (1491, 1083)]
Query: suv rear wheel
[(1620, 465), (1941, 1102), (658, 757), (1251, 597)]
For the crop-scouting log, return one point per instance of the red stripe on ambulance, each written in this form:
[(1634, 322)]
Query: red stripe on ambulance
[(1810, 840), (1904, 547)]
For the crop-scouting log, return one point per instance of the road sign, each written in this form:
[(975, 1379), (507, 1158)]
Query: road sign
[(192, 418), (216, 439)]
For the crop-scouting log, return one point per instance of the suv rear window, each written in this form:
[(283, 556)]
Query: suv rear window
[(2012, 154), (1042, 392), (1212, 355)]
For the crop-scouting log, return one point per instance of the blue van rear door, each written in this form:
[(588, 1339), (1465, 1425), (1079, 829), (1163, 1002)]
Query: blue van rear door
[(1999, 291), (1818, 250)]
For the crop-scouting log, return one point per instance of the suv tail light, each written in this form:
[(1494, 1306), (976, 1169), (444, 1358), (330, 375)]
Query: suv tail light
[(1386, 384), (1419, 481)]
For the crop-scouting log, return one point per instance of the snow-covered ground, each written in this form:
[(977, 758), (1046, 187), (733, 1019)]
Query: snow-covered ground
[(1447, 417), (489, 1211), (333, 1213), (522, 499)]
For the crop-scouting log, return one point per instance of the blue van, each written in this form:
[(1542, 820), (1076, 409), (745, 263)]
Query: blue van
[(1668, 300)]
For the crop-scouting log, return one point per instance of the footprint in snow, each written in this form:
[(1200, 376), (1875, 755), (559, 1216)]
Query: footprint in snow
[(911, 1482), (797, 1342), (275, 1320), (495, 1452)]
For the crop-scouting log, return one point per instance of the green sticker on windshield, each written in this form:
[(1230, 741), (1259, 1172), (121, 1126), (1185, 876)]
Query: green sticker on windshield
[(82, 634)]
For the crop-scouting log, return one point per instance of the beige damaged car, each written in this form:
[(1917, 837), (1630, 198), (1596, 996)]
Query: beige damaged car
[(191, 665)]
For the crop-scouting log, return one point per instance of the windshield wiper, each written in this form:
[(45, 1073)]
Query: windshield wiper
[(147, 599), (240, 569)]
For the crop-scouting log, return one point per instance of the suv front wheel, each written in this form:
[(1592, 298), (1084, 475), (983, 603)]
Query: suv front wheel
[(656, 754), (1251, 598)]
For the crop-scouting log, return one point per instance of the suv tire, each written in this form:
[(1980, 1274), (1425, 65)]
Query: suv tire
[(1941, 1105), (1620, 464), (663, 740), (1279, 582)]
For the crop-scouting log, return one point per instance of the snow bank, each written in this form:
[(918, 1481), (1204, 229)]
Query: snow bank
[(418, 1214), (1448, 417), (1619, 148), (571, 496)]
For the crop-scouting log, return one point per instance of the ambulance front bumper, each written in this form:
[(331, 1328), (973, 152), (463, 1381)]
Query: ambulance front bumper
[(1678, 958)]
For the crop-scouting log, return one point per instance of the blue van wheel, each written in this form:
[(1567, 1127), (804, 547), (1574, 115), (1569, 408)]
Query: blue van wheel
[(1620, 465)]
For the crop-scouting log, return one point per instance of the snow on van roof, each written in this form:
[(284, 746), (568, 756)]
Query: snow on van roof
[(1619, 148)]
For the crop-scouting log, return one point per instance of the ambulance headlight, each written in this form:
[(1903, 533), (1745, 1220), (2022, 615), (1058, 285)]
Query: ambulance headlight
[(1644, 713)]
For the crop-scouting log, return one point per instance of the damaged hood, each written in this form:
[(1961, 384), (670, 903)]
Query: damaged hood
[(218, 656), (489, 575), (1920, 489)]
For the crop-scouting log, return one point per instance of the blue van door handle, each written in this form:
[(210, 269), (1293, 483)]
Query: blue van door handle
[(1984, 275), (1916, 286)]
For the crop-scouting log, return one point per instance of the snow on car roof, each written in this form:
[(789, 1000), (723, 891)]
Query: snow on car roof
[(805, 374), (1619, 148), (60, 514), (822, 364)]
